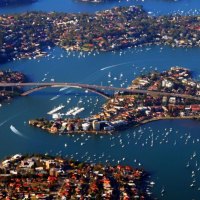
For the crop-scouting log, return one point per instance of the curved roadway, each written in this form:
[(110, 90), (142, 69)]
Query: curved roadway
[(98, 87)]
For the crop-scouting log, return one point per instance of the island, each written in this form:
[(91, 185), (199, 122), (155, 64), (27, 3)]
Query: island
[(29, 35), (171, 94), (6, 93), (48, 177)]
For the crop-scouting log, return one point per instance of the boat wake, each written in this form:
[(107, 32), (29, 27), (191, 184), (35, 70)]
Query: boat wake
[(55, 97), (14, 130), (68, 92), (10, 118), (2, 123), (111, 66)]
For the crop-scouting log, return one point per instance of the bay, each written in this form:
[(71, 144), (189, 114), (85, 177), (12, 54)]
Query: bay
[(174, 141)]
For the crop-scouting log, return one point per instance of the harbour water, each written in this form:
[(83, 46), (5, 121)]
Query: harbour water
[(155, 6), (167, 149), (161, 147)]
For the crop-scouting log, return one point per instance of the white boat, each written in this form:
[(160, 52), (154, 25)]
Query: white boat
[(64, 88), (152, 183), (78, 111), (56, 116), (71, 111), (80, 100), (56, 109), (44, 79), (53, 98)]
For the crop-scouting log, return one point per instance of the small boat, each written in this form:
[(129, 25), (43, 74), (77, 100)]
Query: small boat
[(55, 97), (56, 109), (64, 88), (152, 183)]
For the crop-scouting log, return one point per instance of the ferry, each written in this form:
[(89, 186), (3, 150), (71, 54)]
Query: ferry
[(56, 109)]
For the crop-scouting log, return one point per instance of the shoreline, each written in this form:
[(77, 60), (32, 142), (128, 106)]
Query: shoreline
[(167, 118), (125, 110), (71, 33), (194, 117), (11, 77), (39, 176)]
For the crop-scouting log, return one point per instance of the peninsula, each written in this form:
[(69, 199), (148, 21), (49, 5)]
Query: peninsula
[(124, 110), (48, 177), (27, 35), (10, 77)]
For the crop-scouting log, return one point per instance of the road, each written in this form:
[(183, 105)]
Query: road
[(96, 87)]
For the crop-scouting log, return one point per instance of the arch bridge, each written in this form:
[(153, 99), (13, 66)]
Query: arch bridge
[(94, 88)]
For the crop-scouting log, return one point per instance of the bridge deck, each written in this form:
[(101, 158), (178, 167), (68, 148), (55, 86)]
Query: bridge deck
[(96, 88)]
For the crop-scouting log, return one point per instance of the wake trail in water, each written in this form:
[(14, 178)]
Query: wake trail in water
[(2, 123), (14, 130), (111, 66), (10, 118)]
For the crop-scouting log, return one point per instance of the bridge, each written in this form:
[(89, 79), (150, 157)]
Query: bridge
[(94, 88)]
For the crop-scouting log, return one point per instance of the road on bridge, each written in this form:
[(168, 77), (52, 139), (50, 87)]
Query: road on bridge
[(98, 87)]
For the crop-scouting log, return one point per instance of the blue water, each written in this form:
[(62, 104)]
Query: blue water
[(166, 159), (155, 6), (174, 141)]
